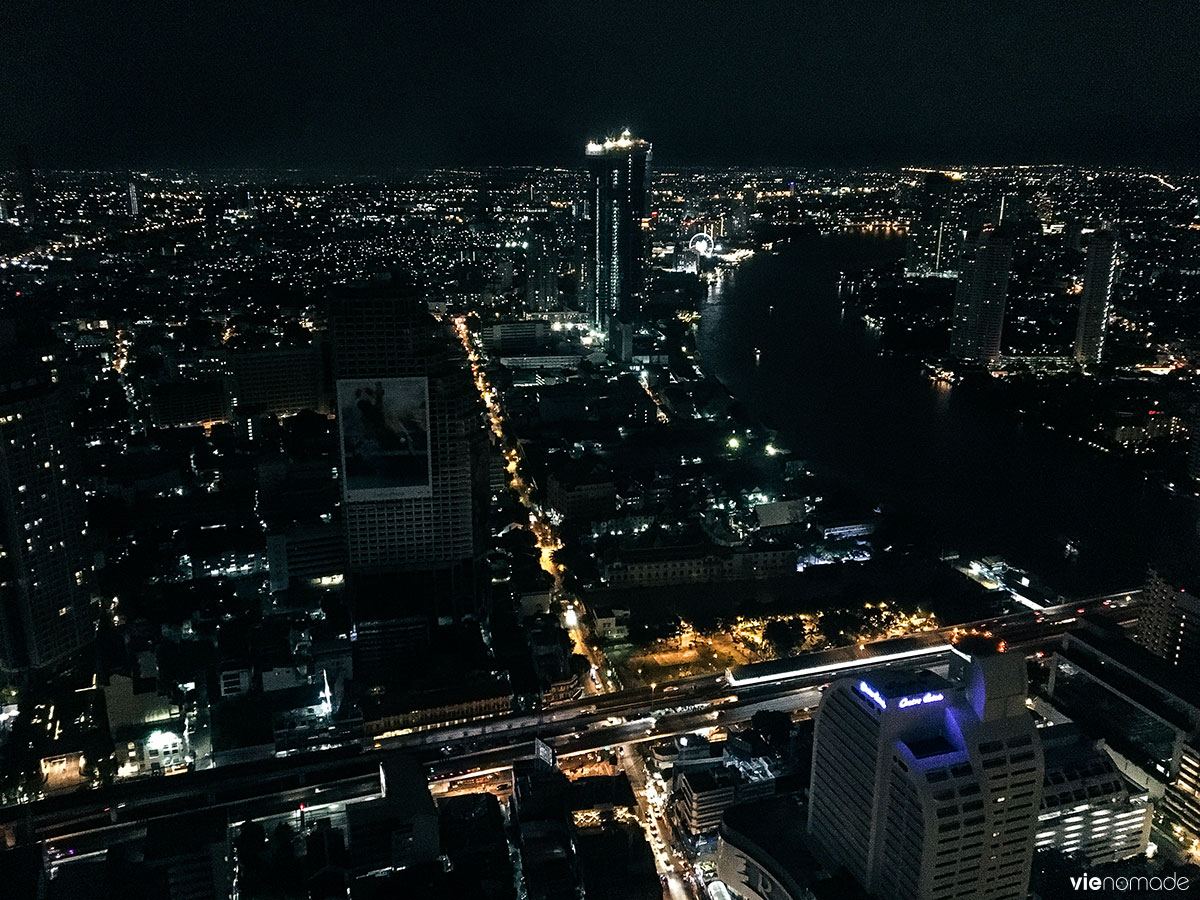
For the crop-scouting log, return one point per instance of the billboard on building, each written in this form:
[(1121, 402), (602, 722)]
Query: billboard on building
[(544, 754), (384, 427)]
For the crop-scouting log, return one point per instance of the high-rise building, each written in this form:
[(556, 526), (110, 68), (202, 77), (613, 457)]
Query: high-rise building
[(926, 787), (933, 239), (1147, 708), (413, 472), (619, 194), (27, 183), (1181, 801), (46, 610), (981, 295), (932, 248), (1095, 303), (280, 381), (541, 274), (187, 858), (1170, 624), (1193, 428), (135, 200), (1073, 234)]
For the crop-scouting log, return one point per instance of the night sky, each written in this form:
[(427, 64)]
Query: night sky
[(346, 84)]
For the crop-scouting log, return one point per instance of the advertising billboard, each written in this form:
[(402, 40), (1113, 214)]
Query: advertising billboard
[(384, 428)]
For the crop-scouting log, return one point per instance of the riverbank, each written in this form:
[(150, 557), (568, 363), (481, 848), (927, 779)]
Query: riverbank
[(949, 473)]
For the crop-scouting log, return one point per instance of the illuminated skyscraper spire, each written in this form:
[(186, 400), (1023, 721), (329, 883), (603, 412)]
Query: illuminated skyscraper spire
[(618, 183)]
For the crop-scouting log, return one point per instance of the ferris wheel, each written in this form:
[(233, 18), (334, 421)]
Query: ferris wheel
[(702, 244)]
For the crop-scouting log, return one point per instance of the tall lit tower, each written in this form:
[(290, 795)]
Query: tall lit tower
[(619, 194), (1095, 302), (925, 787), (46, 610), (981, 296)]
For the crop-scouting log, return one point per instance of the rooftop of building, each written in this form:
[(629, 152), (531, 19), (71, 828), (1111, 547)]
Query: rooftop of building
[(403, 781), (774, 831), (713, 778), (804, 663), (1071, 758), (929, 747), (1066, 744), (905, 684), (616, 862), (173, 836), (1179, 575), (600, 791), (1138, 674), (466, 688), (620, 144), (587, 470)]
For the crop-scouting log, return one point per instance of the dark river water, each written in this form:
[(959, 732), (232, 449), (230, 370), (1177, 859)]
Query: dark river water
[(954, 475)]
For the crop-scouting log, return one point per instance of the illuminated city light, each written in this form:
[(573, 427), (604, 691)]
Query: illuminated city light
[(708, 520), (927, 697), (873, 694)]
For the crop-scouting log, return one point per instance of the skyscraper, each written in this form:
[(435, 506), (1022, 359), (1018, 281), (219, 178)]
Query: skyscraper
[(1193, 427), (932, 237), (414, 482), (932, 248), (619, 182), (980, 298), (27, 183), (135, 200), (46, 610), (541, 273), (1170, 625), (1095, 302), (925, 787)]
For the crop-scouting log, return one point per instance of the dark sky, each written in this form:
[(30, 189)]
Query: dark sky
[(344, 83)]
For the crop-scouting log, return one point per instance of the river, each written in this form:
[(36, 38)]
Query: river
[(954, 475)]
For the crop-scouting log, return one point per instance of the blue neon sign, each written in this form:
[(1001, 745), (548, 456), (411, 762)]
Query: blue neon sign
[(873, 694), (927, 697)]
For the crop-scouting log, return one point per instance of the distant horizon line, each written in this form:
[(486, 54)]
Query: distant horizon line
[(375, 170)]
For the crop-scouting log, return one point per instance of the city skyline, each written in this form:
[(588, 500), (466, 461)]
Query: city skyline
[(699, 451)]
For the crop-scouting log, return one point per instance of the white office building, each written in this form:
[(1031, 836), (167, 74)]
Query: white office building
[(927, 788)]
